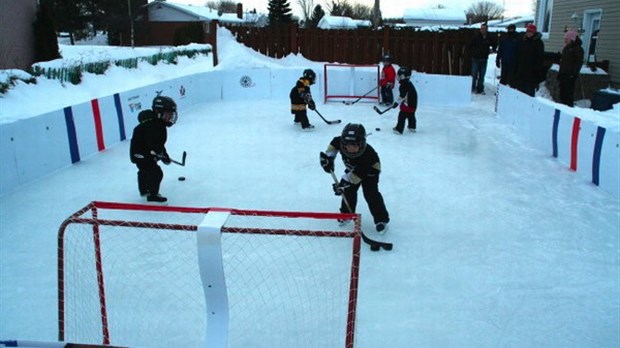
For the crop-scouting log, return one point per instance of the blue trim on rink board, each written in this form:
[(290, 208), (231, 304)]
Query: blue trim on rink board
[(554, 135), (596, 157), (72, 135), (119, 114)]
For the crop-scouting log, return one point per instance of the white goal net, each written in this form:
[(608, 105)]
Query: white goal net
[(350, 82), (159, 276)]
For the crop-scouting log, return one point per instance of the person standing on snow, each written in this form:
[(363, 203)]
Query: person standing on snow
[(301, 97), (408, 100), (362, 168), (480, 46), (148, 145), (529, 64), (570, 66), (386, 83), (505, 58)]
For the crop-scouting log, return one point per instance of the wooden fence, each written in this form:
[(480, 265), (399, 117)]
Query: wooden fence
[(437, 52)]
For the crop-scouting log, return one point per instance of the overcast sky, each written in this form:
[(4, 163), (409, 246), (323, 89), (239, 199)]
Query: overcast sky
[(390, 8)]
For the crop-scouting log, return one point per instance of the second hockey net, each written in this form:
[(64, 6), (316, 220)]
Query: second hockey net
[(350, 82)]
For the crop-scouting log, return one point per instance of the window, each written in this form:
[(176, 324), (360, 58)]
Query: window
[(545, 10)]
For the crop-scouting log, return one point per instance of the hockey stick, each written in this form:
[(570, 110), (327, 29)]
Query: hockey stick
[(326, 121), (182, 163), (375, 245), (381, 112), (360, 98)]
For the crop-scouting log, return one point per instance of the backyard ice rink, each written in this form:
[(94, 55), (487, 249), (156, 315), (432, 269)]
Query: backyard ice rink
[(495, 243)]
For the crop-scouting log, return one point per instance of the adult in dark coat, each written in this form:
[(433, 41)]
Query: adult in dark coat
[(480, 46), (506, 53), (570, 65), (148, 145), (529, 64)]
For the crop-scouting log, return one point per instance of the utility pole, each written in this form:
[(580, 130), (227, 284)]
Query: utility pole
[(376, 13), (130, 23)]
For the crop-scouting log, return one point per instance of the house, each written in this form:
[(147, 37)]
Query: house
[(597, 21), (422, 17), (164, 11), (501, 24), (159, 21), (336, 22), (17, 49)]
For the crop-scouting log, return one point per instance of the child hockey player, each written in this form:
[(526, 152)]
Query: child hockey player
[(408, 100), (362, 168), (148, 146), (386, 83), (300, 97)]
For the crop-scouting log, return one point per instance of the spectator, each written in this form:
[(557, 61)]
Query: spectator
[(481, 45), (506, 55), (570, 65), (529, 63)]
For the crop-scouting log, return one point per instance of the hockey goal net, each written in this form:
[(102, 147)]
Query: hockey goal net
[(347, 82), (160, 276)]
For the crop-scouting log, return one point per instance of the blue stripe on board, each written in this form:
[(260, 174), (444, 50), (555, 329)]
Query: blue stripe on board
[(119, 114), (596, 158), (72, 135), (554, 135)]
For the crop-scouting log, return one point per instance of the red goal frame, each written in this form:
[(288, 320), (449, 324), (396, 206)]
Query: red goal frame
[(89, 215)]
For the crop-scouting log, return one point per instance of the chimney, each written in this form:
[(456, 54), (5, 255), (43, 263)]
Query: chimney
[(239, 10)]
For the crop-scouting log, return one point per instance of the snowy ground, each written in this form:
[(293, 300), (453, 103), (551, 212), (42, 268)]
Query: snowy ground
[(496, 244)]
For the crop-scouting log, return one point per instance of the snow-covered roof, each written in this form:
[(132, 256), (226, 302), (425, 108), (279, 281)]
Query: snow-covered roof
[(434, 14), (161, 11), (336, 22), (519, 22)]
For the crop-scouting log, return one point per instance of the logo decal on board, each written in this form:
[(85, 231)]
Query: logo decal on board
[(246, 82)]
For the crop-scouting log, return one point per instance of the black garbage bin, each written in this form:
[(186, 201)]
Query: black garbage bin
[(603, 100)]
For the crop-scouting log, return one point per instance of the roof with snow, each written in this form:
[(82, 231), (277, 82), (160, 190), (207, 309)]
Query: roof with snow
[(336, 22), (434, 16), (164, 11)]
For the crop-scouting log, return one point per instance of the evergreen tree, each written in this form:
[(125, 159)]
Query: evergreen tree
[(45, 41), (279, 12), (317, 14)]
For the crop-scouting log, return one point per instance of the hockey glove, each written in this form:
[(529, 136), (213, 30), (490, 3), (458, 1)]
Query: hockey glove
[(166, 159), (311, 105), (327, 163), (342, 186)]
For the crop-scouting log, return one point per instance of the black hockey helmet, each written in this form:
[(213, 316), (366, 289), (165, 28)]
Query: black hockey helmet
[(353, 134), (387, 58), (309, 75), (166, 109), (403, 73)]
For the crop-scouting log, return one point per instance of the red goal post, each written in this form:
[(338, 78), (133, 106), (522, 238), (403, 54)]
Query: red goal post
[(344, 82), (147, 275)]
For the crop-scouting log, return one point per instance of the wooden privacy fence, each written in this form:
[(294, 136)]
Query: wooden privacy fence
[(436, 52)]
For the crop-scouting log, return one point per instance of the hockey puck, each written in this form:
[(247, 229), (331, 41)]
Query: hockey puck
[(181, 178), (377, 129)]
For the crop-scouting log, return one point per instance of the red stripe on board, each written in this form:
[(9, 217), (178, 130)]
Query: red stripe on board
[(98, 127), (574, 143)]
